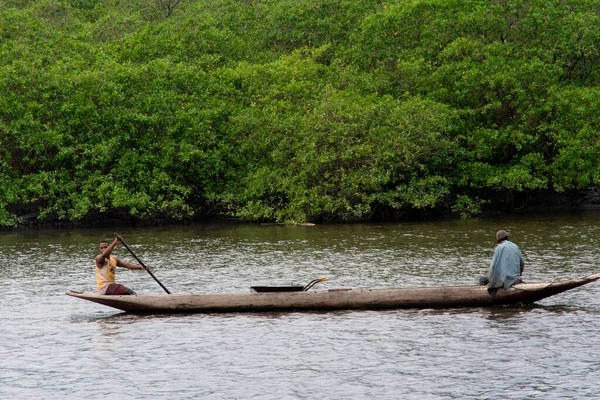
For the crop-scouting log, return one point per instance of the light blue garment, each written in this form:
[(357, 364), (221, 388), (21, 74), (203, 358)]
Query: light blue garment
[(505, 268)]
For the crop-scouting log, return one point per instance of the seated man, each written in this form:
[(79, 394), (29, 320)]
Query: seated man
[(105, 270), (507, 264)]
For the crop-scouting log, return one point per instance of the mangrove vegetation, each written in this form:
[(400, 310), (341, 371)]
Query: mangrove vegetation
[(294, 110)]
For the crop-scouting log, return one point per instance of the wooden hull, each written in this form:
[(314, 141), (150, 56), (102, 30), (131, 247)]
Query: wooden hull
[(337, 299)]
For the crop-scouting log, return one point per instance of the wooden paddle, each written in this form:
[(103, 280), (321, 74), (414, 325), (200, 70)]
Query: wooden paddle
[(313, 283), (141, 263)]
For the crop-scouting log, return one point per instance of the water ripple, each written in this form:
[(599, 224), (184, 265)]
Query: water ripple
[(53, 346)]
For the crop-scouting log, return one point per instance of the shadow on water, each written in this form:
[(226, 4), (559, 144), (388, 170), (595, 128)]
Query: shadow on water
[(561, 309), (508, 313), (498, 312), (125, 317)]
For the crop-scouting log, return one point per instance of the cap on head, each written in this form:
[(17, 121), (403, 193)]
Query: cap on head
[(501, 235)]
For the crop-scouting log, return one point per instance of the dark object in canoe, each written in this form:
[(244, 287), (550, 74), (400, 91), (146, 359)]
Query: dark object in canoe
[(271, 289), (264, 289), (338, 299)]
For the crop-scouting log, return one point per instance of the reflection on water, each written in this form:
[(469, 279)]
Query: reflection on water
[(52, 345), (108, 328)]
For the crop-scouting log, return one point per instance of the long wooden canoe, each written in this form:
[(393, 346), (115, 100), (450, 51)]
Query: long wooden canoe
[(337, 299)]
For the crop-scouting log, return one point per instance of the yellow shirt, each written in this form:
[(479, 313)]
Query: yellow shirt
[(106, 274)]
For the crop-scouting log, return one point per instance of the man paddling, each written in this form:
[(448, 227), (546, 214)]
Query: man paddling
[(507, 264), (105, 270)]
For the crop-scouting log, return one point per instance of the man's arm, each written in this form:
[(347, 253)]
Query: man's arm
[(493, 274), (121, 263), (101, 259), (522, 265)]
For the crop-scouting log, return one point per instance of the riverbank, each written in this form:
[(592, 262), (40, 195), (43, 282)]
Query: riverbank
[(531, 203)]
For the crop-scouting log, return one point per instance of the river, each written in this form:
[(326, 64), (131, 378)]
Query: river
[(57, 347)]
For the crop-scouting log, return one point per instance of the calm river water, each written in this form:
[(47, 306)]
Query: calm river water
[(56, 347)]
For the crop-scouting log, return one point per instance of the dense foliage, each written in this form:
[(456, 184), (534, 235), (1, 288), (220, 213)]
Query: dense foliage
[(293, 110)]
